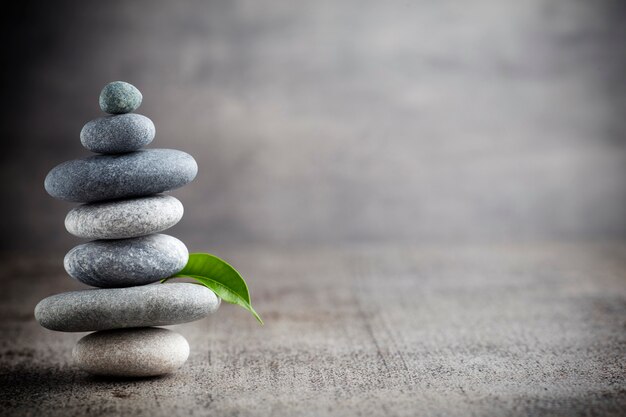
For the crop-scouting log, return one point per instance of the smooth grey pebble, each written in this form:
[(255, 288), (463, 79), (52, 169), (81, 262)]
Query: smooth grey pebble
[(126, 262), (117, 134), (120, 97)]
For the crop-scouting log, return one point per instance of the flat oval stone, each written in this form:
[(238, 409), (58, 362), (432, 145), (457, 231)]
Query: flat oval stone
[(117, 134), (118, 308), (109, 177), (120, 97), (142, 352), (126, 262), (121, 219)]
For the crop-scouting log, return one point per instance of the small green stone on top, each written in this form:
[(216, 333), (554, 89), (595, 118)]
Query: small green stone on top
[(120, 97)]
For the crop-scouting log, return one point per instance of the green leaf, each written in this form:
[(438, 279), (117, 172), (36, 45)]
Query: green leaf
[(217, 275)]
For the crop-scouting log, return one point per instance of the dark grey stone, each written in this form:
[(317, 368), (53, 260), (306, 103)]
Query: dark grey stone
[(142, 352), (117, 308), (120, 97), (134, 174), (121, 219), (117, 134), (126, 262)]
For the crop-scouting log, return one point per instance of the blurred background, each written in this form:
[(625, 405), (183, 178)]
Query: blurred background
[(334, 122)]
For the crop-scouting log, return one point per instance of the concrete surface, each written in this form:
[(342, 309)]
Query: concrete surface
[(525, 330)]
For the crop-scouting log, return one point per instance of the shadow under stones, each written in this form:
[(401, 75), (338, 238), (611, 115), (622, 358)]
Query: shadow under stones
[(25, 384)]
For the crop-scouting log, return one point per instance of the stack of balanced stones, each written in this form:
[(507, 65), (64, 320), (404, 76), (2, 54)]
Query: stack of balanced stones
[(124, 212)]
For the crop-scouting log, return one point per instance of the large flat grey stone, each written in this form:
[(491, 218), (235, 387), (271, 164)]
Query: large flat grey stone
[(126, 262), (108, 177), (122, 219), (140, 352), (116, 308)]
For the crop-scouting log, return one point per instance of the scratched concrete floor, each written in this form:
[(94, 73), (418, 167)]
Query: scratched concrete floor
[(394, 331)]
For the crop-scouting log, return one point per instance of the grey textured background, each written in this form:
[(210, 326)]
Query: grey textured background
[(335, 122)]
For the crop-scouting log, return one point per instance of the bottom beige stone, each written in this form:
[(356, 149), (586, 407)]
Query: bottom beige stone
[(136, 352)]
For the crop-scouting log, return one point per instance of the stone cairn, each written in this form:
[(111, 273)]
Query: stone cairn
[(123, 214)]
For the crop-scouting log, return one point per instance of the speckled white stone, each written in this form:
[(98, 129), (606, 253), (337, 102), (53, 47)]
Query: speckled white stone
[(126, 262), (117, 308), (122, 219), (140, 352)]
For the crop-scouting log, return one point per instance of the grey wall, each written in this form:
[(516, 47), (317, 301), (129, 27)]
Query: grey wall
[(335, 121)]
